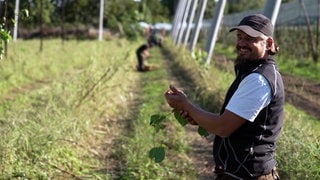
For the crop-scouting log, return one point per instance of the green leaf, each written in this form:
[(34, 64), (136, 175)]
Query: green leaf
[(159, 127), (3, 122), (156, 119), (178, 117), (25, 12), (5, 36), (157, 154), (203, 132)]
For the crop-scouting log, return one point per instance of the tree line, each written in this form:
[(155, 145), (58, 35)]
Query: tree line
[(71, 13), (119, 15)]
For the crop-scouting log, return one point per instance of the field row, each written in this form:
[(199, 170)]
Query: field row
[(80, 110), (57, 106)]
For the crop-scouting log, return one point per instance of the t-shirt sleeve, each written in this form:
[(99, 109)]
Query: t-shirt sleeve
[(252, 95)]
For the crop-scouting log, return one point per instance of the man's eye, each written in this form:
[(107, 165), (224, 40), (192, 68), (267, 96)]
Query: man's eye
[(239, 37), (251, 39)]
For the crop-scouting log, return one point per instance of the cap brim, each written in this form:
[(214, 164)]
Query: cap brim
[(248, 30)]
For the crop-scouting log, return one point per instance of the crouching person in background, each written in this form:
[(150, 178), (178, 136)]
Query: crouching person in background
[(142, 52), (155, 38)]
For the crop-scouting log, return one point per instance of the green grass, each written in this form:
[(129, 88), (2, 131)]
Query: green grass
[(298, 152), (144, 137), (304, 68), (54, 102), (73, 110)]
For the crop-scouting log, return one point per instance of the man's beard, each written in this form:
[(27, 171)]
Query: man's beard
[(241, 60)]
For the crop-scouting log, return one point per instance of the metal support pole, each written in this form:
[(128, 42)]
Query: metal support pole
[(101, 20), (16, 19), (190, 23), (177, 19), (198, 26), (271, 10), (183, 22), (214, 29)]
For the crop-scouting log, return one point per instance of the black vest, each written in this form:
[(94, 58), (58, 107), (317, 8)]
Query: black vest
[(249, 151)]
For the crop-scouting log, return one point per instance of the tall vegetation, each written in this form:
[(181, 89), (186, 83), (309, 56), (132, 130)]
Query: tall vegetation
[(118, 14), (4, 39), (4, 32), (52, 103), (86, 13), (59, 116)]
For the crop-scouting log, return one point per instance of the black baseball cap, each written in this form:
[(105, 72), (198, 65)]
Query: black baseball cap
[(255, 25)]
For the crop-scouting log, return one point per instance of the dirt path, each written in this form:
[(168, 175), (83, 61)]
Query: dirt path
[(201, 147), (303, 94), (201, 154)]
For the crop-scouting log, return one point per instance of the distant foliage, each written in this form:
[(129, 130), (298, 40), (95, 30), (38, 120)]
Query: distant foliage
[(5, 37), (119, 15), (235, 6)]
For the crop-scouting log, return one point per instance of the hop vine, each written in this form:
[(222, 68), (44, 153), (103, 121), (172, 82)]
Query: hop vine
[(157, 153)]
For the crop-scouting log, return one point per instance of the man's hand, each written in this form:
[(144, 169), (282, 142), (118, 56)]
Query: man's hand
[(185, 115), (176, 98), (146, 53)]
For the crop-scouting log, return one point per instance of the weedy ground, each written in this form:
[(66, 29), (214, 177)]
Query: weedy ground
[(79, 110)]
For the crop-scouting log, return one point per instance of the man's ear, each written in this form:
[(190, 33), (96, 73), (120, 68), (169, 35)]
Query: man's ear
[(269, 43), (272, 47)]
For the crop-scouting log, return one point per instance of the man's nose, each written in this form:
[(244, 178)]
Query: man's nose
[(241, 42)]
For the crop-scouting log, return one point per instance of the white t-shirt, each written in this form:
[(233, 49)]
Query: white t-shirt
[(252, 95)]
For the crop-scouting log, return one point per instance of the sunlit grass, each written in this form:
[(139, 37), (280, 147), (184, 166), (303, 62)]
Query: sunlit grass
[(304, 68), (143, 137), (61, 109), (298, 152), (52, 103)]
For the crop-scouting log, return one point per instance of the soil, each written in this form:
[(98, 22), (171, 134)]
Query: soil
[(201, 147), (303, 94), (201, 154)]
